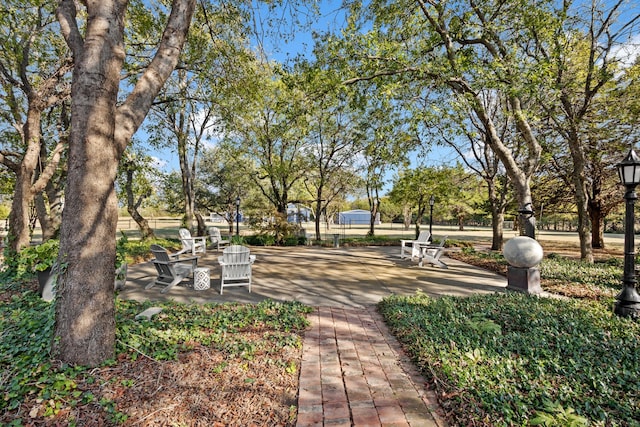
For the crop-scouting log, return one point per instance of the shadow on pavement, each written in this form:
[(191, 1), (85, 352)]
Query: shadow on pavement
[(317, 276)]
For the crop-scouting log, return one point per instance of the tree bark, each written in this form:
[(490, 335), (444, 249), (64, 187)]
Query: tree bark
[(497, 216), (100, 131), (582, 200)]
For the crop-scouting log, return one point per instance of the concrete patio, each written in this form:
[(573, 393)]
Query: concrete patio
[(318, 276)]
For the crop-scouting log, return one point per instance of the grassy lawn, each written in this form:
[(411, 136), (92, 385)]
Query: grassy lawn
[(512, 359)]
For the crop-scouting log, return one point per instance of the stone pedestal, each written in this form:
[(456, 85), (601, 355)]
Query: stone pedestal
[(524, 279)]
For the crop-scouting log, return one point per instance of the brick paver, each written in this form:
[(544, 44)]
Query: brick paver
[(354, 373)]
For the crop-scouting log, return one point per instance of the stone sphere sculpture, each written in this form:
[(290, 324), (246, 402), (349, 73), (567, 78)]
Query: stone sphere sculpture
[(523, 251)]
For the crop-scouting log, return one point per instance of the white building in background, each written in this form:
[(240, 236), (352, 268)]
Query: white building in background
[(357, 217), (298, 213)]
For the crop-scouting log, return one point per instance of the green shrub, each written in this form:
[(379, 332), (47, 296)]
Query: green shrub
[(31, 259), (261, 240), (291, 241), (599, 275)]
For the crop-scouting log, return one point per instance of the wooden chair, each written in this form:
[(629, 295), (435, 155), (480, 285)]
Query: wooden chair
[(216, 238), (236, 263), (171, 269), (412, 247), (194, 245), (431, 254)]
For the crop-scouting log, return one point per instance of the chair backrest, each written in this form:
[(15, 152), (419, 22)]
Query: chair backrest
[(236, 254), (214, 234), (185, 238), (423, 236), (443, 241), (160, 253)]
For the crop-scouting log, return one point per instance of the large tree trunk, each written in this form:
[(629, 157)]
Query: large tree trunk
[(497, 227), (318, 217), (186, 171), (146, 232), (582, 200), (49, 202), (374, 208), (49, 210), (497, 216), (18, 234), (85, 310), (406, 216)]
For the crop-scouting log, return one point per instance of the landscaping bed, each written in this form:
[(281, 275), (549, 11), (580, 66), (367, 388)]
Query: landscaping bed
[(514, 359), (210, 365)]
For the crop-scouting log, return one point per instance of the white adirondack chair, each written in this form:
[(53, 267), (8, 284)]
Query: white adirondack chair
[(431, 254), (194, 245), (236, 262), (412, 247), (216, 238), (171, 269)]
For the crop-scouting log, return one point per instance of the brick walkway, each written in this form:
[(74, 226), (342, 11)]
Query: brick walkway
[(354, 373)]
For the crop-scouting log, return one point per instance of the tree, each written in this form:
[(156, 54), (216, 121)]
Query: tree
[(100, 132), (473, 50), (581, 58), (188, 114), (269, 127), (414, 187), (335, 128), (133, 179), (34, 70), (457, 129), (222, 179)]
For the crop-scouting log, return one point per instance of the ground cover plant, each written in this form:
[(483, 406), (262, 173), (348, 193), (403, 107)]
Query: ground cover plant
[(560, 274), (513, 359), (208, 365)]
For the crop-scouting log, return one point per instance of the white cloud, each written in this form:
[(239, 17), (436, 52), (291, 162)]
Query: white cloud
[(627, 53)]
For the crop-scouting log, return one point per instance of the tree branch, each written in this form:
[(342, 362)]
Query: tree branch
[(66, 14), (131, 114)]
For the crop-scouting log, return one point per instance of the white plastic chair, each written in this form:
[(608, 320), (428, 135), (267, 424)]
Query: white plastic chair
[(236, 263), (216, 238), (430, 254), (412, 247), (194, 245)]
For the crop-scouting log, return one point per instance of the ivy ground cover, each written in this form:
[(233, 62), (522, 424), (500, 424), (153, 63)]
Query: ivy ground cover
[(513, 359), (190, 365)]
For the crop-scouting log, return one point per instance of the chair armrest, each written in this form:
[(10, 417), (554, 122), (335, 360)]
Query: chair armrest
[(196, 238), (176, 260)]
